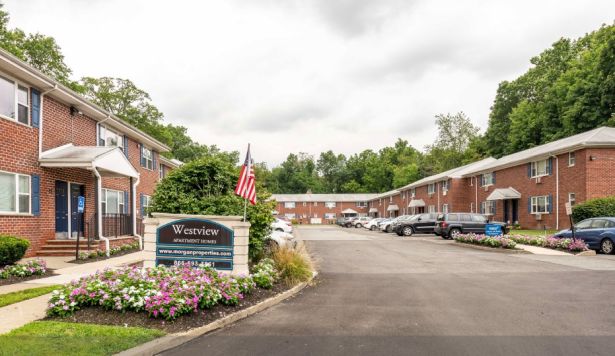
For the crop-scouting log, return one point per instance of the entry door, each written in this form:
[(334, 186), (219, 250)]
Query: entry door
[(515, 210), (76, 222), (61, 210), (506, 212)]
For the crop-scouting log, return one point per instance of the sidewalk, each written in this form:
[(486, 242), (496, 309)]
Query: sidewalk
[(19, 314), (543, 251)]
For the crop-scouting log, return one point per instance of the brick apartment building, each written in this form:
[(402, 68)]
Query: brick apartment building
[(529, 188), (321, 208), (58, 146)]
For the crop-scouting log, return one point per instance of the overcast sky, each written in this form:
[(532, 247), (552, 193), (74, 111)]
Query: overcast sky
[(309, 76)]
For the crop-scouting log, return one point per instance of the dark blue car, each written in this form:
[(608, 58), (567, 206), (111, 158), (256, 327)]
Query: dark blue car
[(598, 233)]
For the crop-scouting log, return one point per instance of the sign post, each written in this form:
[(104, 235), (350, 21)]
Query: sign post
[(569, 213), (80, 209)]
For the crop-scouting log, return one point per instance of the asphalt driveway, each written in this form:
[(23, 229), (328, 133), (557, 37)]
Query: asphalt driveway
[(381, 294)]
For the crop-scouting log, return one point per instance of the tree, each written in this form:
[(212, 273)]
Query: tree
[(331, 168), (206, 186), (452, 146)]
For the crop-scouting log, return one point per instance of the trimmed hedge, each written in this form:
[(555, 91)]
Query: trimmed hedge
[(594, 208), (12, 249)]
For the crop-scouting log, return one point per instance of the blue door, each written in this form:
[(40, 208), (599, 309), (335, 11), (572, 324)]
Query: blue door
[(76, 219), (61, 210)]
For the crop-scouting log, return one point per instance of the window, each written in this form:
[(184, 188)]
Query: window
[(431, 209), (431, 188), (304, 203), (108, 137), (390, 200), (14, 103), (572, 198), (478, 218), (540, 205), (571, 159), (363, 204), (413, 192), (315, 203), (147, 201), (289, 205), (444, 186), (14, 193), (290, 215), (487, 179), (161, 171), (539, 168), (112, 201), (329, 215), (585, 224), (330, 204), (379, 202), (148, 158), (445, 208), (488, 207)]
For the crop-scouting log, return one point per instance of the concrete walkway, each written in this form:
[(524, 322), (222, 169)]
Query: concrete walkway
[(19, 314), (543, 251)]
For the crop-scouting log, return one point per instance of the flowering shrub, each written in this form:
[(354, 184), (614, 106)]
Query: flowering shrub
[(576, 245), (165, 292), (491, 241), (113, 251), (36, 267), (264, 273)]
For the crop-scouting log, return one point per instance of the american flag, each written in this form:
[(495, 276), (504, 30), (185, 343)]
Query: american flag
[(245, 185)]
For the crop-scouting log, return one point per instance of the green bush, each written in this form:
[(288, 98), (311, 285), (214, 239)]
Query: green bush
[(594, 208), (12, 249), (207, 186)]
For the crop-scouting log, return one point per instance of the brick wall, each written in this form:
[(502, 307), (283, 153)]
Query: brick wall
[(303, 212), (61, 128)]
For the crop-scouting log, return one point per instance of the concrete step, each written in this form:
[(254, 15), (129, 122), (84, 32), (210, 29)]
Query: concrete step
[(67, 247), (49, 253), (65, 242)]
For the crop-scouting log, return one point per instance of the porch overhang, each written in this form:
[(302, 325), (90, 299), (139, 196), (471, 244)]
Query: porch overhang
[(504, 194), (349, 211), (108, 161), (393, 207), (373, 210), (416, 203)]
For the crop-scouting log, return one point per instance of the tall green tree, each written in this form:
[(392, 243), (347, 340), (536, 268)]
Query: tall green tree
[(452, 147)]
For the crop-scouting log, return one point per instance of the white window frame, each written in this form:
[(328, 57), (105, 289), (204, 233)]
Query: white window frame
[(16, 85), (431, 188), (444, 208), (535, 168), (330, 204), (17, 211), (161, 172), (444, 185), (290, 215), (315, 203), (147, 201), (330, 216), (304, 203), (488, 207), (431, 209), (289, 204), (413, 192), (104, 142), (120, 200), (149, 161), (572, 159), (572, 198), (363, 204), (487, 182), (535, 204)]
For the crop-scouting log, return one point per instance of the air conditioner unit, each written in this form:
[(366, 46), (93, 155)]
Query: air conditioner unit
[(538, 180), (486, 188), (444, 192), (538, 217)]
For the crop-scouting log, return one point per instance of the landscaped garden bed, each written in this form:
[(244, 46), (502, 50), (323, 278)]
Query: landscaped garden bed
[(98, 255), (27, 271), (567, 245), (487, 241)]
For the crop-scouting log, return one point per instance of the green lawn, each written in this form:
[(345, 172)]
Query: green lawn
[(14, 297), (532, 232), (60, 338)]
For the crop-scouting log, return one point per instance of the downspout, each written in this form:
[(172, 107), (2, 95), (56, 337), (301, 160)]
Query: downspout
[(556, 192), (476, 193), (438, 195), (40, 121), (134, 212), (99, 211)]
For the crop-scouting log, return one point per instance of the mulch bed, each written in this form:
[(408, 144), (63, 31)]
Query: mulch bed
[(100, 258), (15, 279), (492, 249), (95, 315)]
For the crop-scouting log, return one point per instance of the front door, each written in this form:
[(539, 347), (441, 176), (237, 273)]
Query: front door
[(515, 210), (506, 212), (76, 219), (61, 210)]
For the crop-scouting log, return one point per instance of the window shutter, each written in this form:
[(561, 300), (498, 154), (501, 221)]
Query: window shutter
[(126, 146), (482, 208), (529, 170), (97, 134), (35, 180), (36, 107), (494, 204), (142, 157), (154, 166), (482, 180), (549, 166), (550, 204), (493, 174), (141, 200), (125, 202), (529, 205)]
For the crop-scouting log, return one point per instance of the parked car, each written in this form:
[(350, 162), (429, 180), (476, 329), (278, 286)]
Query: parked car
[(279, 239), (281, 225), (399, 220), (385, 226), (451, 224), (598, 233), (373, 224), (360, 221), (347, 221), (417, 224)]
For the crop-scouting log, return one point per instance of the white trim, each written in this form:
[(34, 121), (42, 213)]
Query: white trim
[(16, 85), (17, 194)]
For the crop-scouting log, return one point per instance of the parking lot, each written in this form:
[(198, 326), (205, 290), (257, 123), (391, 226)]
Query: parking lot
[(379, 293)]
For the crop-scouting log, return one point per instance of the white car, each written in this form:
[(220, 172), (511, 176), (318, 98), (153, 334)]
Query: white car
[(361, 221), (282, 226), (281, 239), (373, 224)]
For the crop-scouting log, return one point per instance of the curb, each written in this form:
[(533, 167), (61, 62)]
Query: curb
[(586, 253), (491, 249), (173, 340)]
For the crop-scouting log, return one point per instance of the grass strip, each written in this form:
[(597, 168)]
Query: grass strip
[(15, 297), (61, 338)]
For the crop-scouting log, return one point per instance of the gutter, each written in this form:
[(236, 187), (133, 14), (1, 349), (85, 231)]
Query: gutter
[(556, 192)]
